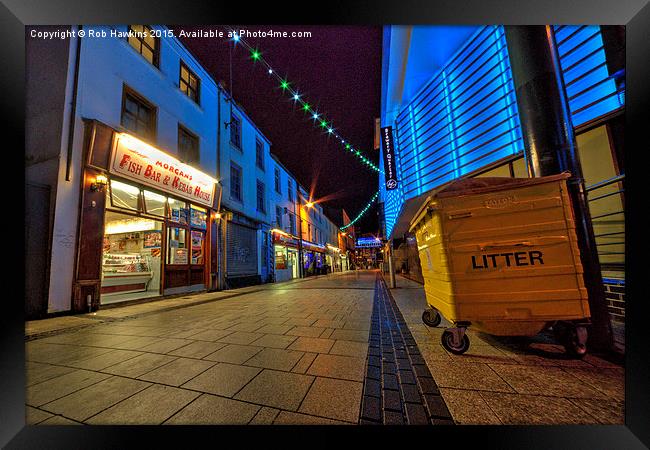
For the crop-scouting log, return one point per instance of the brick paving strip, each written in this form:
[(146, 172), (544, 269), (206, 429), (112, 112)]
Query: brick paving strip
[(398, 387)]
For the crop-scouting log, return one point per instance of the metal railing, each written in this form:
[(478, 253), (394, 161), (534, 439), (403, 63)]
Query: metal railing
[(609, 217)]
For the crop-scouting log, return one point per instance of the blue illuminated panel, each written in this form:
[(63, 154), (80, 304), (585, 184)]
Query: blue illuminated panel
[(392, 199), (464, 118), (590, 90)]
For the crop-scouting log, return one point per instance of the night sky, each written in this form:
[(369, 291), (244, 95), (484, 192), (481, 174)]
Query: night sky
[(337, 70)]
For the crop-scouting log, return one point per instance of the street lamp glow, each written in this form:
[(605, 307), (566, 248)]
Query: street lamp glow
[(309, 204)]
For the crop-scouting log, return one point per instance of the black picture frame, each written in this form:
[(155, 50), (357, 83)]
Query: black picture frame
[(635, 14)]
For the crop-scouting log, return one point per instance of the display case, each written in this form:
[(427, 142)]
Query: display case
[(122, 273)]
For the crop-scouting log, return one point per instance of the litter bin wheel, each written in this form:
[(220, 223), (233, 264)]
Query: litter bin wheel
[(431, 317), (448, 343), (573, 345)]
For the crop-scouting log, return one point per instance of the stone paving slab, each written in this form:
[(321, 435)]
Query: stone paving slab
[(337, 366), (151, 406), (139, 365), (197, 349), (274, 358), (223, 379), (91, 400), (39, 372), (234, 353), (212, 410), (34, 416), (291, 418), (335, 399), (277, 389), (177, 372), (54, 388)]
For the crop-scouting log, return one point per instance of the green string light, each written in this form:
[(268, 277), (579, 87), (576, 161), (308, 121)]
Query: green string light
[(363, 211), (256, 55)]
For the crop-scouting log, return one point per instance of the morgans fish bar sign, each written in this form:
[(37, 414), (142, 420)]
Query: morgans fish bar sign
[(139, 161)]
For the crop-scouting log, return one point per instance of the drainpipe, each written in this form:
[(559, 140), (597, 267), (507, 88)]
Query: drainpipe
[(220, 242), (299, 219), (73, 109), (550, 148)]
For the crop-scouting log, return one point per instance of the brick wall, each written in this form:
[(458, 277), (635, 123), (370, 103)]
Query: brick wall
[(615, 295)]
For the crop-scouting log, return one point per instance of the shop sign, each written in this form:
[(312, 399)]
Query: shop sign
[(313, 247), (139, 161), (284, 240), (390, 175), (368, 242)]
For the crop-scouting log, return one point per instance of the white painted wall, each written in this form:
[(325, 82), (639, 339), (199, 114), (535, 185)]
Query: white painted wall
[(244, 158)]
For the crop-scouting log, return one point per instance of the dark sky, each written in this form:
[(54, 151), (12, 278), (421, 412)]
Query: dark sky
[(338, 70)]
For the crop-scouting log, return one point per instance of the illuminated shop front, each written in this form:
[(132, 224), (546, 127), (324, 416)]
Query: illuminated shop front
[(153, 214), (313, 258), (285, 250), (333, 258)]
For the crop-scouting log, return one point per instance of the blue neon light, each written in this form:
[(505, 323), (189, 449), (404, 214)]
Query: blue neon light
[(591, 91)]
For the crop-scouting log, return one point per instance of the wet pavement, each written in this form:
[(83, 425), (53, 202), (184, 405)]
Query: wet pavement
[(301, 352)]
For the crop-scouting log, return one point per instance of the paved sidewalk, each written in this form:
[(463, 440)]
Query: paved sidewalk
[(514, 381), (292, 353), (54, 325)]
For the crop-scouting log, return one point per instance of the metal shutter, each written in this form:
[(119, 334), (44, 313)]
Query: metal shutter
[(242, 250)]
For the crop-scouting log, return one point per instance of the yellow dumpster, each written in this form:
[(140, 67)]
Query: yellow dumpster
[(501, 255)]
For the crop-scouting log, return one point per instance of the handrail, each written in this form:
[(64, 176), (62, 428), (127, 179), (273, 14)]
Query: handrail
[(604, 183)]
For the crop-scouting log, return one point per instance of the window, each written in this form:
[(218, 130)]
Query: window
[(259, 154), (177, 211), (290, 190), (138, 115), (235, 182), (176, 245), (188, 146), (278, 216), (292, 224), (260, 197), (154, 203), (278, 186), (198, 237), (235, 131), (142, 40), (125, 196), (198, 217), (189, 83)]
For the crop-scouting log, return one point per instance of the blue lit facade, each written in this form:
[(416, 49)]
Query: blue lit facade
[(465, 117)]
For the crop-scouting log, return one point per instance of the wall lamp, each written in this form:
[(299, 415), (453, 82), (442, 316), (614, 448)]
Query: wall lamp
[(100, 183)]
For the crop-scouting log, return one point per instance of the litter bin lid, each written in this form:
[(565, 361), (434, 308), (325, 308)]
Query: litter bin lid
[(471, 186), (474, 186)]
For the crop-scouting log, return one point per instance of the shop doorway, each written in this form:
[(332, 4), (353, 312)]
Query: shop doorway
[(131, 258), (293, 262)]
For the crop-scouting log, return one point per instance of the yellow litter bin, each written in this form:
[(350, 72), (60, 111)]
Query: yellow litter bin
[(501, 255)]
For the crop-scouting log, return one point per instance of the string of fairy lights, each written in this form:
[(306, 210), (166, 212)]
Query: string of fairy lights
[(318, 118), (363, 211)]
